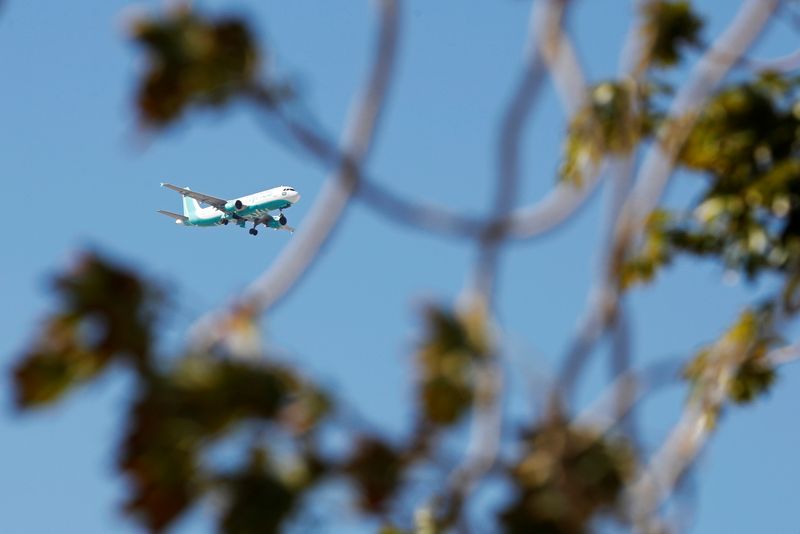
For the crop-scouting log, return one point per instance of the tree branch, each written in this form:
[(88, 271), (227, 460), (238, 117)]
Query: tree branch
[(690, 434), (707, 74), (653, 175), (630, 387)]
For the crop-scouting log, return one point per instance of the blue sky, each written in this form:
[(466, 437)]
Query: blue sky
[(68, 134)]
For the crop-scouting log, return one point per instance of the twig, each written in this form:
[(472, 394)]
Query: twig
[(786, 63), (619, 399), (620, 362), (515, 118), (784, 355), (559, 54)]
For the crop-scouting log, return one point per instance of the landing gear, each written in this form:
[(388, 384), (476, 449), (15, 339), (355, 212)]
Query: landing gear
[(253, 231), (224, 222), (282, 220)]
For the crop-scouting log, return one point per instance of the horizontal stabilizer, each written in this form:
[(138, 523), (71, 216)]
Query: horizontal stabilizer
[(178, 218)]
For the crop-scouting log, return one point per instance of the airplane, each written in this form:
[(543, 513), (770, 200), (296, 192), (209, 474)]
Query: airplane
[(253, 208)]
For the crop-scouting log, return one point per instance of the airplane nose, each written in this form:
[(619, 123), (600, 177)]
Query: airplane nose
[(294, 196)]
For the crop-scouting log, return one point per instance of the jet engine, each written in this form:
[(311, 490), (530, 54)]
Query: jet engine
[(234, 205), (280, 219)]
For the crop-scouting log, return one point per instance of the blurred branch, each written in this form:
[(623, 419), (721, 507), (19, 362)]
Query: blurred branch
[(522, 223), (637, 48), (564, 68), (691, 432), (626, 391), (358, 138), (620, 362), (559, 54), (786, 63), (709, 71), (603, 299), (654, 173), (694, 428), (784, 355), (547, 50), (516, 116), (668, 465), (590, 329), (359, 134), (487, 421), (552, 210), (484, 441), (311, 141)]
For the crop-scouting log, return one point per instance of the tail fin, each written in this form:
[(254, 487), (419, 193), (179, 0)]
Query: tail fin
[(190, 207)]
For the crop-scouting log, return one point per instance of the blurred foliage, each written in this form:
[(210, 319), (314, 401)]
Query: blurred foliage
[(669, 27), (565, 477), (198, 61), (619, 114), (655, 252), (104, 313), (180, 413), (250, 489), (446, 361), (747, 143), (186, 405), (738, 358), (376, 469), (183, 406), (607, 125)]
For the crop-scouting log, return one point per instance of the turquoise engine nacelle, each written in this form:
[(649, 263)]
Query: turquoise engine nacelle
[(276, 221), (234, 205)]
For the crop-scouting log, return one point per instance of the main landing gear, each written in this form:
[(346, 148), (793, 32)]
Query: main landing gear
[(253, 231)]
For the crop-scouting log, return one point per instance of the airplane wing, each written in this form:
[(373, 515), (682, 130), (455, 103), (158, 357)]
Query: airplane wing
[(287, 228), (175, 216), (200, 197)]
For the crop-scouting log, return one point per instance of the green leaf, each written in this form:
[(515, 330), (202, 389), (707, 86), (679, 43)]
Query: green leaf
[(376, 468), (192, 60), (744, 346), (446, 361), (606, 125), (259, 500), (670, 26), (566, 476), (183, 412), (105, 312)]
